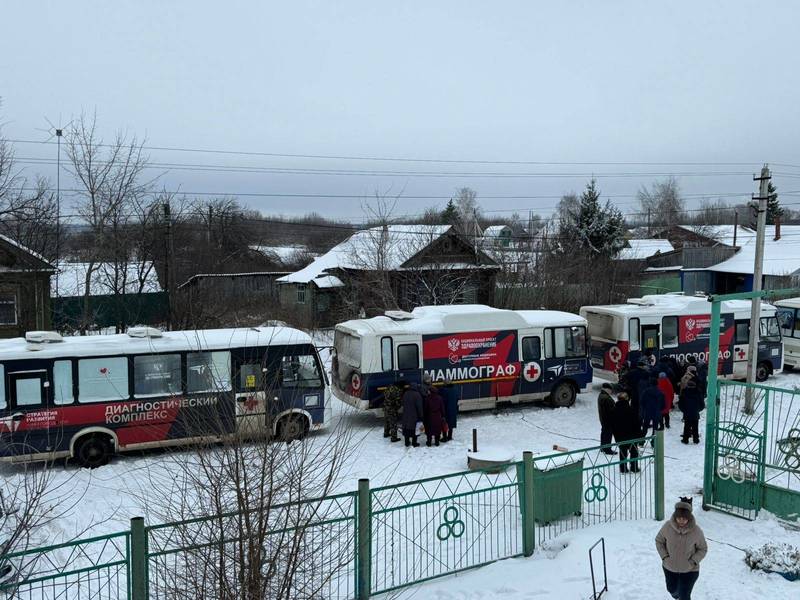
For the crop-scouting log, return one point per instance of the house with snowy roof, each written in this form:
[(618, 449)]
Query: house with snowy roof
[(390, 266), (24, 289), (735, 272)]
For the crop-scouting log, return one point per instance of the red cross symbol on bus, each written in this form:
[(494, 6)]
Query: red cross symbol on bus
[(615, 354), (251, 403), (531, 372), (741, 353)]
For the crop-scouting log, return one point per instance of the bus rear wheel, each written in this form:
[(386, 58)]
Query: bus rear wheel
[(93, 451), (563, 395), (762, 371), (292, 428)]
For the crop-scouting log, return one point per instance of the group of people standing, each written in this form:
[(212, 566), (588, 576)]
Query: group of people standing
[(645, 400), (426, 408)]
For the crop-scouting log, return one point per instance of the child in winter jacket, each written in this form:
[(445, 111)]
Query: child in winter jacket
[(681, 546)]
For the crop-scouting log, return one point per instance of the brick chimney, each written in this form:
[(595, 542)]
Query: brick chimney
[(777, 228)]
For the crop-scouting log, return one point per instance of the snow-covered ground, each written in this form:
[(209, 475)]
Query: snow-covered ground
[(108, 497)]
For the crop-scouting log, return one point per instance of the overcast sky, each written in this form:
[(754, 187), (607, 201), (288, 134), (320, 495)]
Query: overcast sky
[(567, 81)]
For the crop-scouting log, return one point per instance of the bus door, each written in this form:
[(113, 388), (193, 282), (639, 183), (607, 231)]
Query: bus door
[(741, 347), (531, 380), (649, 341), (407, 359), (28, 418), (301, 383), (252, 387)]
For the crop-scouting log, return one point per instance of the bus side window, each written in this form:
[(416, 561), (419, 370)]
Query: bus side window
[(103, 379), (407, 357), (742, 332), (386, 354), (62, 382), (669, 332), (531, 349), (786, 317), (300, 371), (633, 334), (208, 372), (3, 387)]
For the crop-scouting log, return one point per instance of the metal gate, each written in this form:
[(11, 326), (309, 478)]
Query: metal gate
[(756, 462)]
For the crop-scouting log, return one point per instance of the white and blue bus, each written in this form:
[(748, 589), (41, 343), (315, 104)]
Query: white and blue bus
[(490, 355), (89, 397)]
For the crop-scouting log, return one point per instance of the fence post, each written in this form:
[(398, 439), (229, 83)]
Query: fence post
[(659, 474), (364, 541), (137, 561), (528, 533)]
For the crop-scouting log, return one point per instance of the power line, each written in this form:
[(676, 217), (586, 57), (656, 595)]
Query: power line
[(431, 174), (423, 160)]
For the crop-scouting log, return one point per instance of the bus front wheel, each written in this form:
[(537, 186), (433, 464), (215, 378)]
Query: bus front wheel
[(93, 451), (762, 371), (563, 395), (291, 428)]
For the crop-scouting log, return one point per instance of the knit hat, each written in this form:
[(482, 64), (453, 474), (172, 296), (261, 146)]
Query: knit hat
[(607, 386), (691, 359), (682, 510), (662, 375)]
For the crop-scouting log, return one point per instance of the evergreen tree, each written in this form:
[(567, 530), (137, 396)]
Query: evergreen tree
[(450, 213), (774, 210), (594, 229)]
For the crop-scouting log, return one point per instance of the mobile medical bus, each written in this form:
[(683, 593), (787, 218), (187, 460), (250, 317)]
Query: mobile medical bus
[(679, 326), (89, 397), (789, 320), (490, 355)]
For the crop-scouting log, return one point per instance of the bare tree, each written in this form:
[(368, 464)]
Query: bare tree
[(113, 189), (258, 518), (662, 202)]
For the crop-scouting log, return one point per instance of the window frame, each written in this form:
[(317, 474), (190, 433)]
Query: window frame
[(663, 336), (538, 342), (737, 339), (769, 338), (383, 353), (187, 368), (14, 302), (634, 346), (300, 385), (173, 355), (551, 351), (55, 386), (127, 397), (300, 293), (416, 351)]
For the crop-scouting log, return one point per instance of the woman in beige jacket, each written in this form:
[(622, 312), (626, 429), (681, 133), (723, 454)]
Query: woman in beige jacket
[(681, 545)]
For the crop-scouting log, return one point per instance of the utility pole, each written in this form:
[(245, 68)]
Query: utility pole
[(648, 223), (169, 269), (758, 268)]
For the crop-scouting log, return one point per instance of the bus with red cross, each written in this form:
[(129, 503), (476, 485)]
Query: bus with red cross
[(679, 326), (88, 397), (490, 355)]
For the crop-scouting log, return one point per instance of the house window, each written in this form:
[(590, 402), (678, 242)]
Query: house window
[(301, 293), (8, 309)]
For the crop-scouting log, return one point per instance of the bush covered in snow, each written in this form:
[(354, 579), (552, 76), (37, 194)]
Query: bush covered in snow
[(775, 558)]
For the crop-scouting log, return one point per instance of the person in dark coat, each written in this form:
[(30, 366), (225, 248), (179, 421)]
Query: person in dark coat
[(605, 412), (412, 414), (664, 366), (651, 406), (450, 399), (434, 415), (635, 381), (625, 425), (691, 403)]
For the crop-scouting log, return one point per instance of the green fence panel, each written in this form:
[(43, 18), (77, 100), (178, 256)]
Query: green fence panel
[(442, 525), (588, 487), (92, 569)]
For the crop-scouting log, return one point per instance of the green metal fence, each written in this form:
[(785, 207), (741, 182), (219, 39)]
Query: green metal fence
[(442, 525), (356, 544), (94, 568), (588, 487)]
